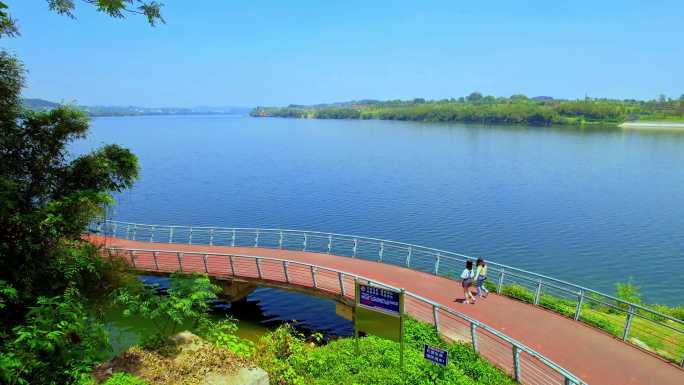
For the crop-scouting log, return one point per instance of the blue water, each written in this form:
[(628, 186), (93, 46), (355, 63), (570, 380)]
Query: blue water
[(590, 206)]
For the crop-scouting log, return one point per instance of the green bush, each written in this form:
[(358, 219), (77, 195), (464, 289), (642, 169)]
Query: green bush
[(222, 334), (289, 359), (628, 292)]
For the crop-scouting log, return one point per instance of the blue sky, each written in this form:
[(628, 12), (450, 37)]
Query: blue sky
[(250, 53)]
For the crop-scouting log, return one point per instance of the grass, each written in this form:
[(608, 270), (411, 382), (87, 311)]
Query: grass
[(645, 331)]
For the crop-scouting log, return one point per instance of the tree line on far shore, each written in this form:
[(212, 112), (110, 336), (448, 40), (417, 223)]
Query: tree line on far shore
[(476, 108)]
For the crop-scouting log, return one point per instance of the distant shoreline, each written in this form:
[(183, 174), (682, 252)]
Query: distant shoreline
[(672, 126)]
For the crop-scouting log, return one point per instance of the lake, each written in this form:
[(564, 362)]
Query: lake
[(593, 207)]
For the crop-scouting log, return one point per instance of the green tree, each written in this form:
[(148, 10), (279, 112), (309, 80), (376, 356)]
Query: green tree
[(187, 303), (115, 8), (48, 334), (474, 97)]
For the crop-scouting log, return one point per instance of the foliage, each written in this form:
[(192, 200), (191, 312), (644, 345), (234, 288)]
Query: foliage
[(222, 334), (627, 291), (125, 379), (289, 359), (476, 108), (117, 8), (187, 302), (58, 333), (47, 199), (518, 292)]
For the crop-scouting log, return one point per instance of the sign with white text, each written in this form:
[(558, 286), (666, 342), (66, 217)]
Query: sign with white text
[(436, 355), (378, 312), (377, 298)]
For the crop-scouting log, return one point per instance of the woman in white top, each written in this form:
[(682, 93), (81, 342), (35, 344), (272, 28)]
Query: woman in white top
[(467, 281)]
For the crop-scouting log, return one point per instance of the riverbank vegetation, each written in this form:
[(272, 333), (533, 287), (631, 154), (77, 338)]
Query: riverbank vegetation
[(477, 108), (649, 331)]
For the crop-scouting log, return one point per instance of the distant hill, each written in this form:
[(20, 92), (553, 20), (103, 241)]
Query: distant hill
[(41, 104)]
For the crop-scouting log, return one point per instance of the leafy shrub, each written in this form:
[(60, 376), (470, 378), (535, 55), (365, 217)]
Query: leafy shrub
[(627, 291), (58, 343), (187, 302), (289, 359), (222, 334)]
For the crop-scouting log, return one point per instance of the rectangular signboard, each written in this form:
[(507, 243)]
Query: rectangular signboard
[(376, 298), (436, 355)]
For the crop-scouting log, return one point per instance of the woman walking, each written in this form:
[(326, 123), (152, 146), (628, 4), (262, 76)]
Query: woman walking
[(480, 277), (467, 281)]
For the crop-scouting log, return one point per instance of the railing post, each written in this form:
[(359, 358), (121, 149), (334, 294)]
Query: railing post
[(156, 262), (356, 243), (135, 230), (313, 276), (258, 265), (114, 230), (232, 239), (206, 266), (435, 317), (280, 241), (382, 249), (132, 254), (171, 234), (340, 276), (499, 285), (211, 237), (628, 324), (437, 264), (305, 239), (538, 293), (128, 231), (473, 337), (232, 265), (152, 234), (190, 236), (516, 362), (580, 301), (256, 239), (408, 257), (329, 243), (287, 276)]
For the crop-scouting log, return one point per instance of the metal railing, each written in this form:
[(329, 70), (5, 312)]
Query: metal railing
[(633, 323), (518, 360)]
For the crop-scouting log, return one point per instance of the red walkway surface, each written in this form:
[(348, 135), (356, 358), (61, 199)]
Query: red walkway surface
[(589, 353)]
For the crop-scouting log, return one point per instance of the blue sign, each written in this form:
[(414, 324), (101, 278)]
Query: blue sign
[(436, 355), (379, 299)]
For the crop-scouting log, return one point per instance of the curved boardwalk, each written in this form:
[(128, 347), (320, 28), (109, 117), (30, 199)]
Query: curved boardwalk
[(589, 353)]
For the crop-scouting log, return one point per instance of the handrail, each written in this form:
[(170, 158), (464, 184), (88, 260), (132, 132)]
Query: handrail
[(417, 257), (474, 324)]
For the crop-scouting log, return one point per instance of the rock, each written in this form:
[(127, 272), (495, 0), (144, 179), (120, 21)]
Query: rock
[(245, 376), (185, 337)]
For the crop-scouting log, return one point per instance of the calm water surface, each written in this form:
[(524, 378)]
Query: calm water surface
[(592, 207)]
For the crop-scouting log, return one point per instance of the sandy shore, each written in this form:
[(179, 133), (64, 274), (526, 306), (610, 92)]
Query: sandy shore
[(674, 126)]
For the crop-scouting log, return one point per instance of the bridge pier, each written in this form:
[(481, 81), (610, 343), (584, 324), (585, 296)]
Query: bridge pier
[(234, 290)]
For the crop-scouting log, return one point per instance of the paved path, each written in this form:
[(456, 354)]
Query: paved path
[(589, 353)]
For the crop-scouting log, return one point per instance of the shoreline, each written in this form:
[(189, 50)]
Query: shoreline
[(655, 125)]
